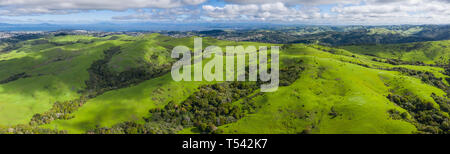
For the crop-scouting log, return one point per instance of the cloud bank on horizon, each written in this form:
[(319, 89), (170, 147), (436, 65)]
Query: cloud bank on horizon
[(270, 11)]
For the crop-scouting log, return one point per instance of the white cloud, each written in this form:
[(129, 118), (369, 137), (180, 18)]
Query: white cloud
[(296, 11), (262, 12), (395, 12), (353, 12), (295, 2), (27, 7)]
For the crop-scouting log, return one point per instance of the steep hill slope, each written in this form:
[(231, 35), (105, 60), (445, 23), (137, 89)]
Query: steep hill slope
[(435, 52)]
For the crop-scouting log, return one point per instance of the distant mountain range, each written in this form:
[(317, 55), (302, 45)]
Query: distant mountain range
[(111, 27), (268, 33), (148, 26), (331, 35)]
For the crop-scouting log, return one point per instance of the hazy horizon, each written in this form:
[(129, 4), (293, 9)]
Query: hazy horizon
[(149, 26)]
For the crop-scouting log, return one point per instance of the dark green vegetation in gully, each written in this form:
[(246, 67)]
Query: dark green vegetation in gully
[(206, 109), (122, 84)]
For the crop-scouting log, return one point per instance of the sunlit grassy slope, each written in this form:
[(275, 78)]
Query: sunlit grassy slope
[(357, 94), (56, 73), (331, 82), (428, 52), (126, 104), (133, 103)]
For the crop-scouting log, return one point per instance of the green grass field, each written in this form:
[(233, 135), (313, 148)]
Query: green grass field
[(355, 93), (340, 91), (428, 52), (56, 74)]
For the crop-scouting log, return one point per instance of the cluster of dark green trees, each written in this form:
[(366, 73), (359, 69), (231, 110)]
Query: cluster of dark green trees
[(401, 62), (290, 74), (424, 115), (59, 110), (28, 129), (14, 77), (444, 103), (209, 107), (447, 72), (397, 115)]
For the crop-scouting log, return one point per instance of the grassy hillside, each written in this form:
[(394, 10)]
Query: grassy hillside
[(332, 96), (122, 84), (436, 52), (50, 73), (116, 106)]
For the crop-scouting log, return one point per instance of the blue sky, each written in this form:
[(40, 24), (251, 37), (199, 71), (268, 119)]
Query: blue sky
[(197, 11)]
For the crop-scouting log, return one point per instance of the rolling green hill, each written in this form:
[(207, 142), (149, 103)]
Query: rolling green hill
[(435, 52), (332, 96), (50, 73), (122, 84)]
